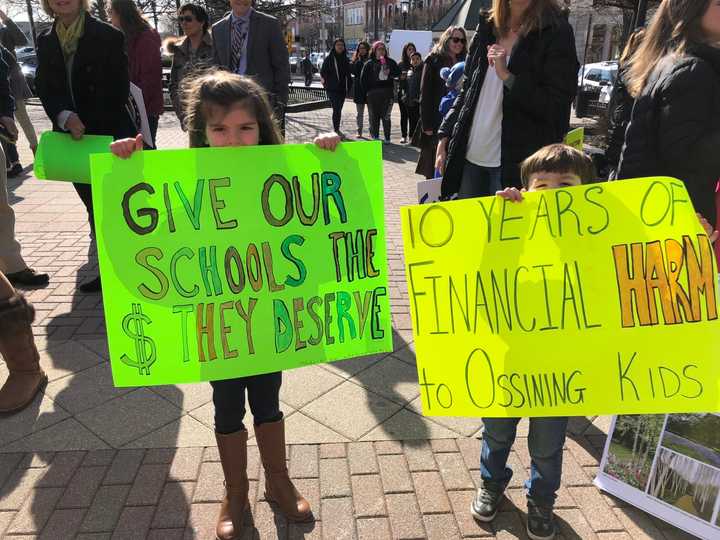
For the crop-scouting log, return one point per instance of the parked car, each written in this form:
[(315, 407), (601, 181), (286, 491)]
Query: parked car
[(28, 67), (294, 61), (598, 75), (24, 52)]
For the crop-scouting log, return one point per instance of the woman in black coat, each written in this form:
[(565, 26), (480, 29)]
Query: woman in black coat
[(450, 49), (481, 147), (360, 58), (337, 79), (378, 80), (405, 67), (674, 129), (94, 54)]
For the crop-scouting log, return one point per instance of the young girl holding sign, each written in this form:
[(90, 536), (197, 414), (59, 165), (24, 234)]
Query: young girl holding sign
[(225, 109)]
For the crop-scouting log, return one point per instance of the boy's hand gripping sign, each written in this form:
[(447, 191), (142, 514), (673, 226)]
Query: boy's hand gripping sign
[(226, 262), (597, 299)]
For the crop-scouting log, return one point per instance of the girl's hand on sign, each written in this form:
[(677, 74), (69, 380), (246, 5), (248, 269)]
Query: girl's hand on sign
[(511, 194), (124, 148), (713, 234), (327, 141)]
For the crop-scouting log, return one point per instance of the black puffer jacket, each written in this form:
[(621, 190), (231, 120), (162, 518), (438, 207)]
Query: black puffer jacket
[(536, 109), (675, 126)]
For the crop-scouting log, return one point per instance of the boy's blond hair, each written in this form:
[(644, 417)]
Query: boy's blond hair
[(558, 158)]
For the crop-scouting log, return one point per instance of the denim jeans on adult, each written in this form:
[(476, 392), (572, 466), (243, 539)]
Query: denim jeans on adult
[(545, 443), (478, 181), (263, 393), (337, 100)]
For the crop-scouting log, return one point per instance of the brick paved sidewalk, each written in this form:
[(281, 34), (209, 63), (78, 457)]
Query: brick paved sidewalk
[(364, 490), (88, 460)]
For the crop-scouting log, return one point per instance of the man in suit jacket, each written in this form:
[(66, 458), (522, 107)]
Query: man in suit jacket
[(251, 43)]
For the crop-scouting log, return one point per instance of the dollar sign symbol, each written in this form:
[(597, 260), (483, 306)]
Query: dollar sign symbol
[(144, 346)]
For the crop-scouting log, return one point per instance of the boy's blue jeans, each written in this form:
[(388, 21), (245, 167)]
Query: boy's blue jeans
[(545, 443)]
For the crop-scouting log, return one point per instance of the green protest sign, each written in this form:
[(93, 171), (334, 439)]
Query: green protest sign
[(576, 138), (60, 157), (226, 262)]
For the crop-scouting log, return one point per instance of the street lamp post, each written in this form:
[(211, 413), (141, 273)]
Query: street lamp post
[(405, 7)]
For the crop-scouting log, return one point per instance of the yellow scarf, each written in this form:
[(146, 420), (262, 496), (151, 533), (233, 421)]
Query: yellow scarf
[(70, 36)]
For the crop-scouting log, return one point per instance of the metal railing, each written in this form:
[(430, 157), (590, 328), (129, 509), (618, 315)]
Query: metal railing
[(303, 98), (300, 99)]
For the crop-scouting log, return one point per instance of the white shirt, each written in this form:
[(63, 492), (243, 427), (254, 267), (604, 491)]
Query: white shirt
[(486, 132)]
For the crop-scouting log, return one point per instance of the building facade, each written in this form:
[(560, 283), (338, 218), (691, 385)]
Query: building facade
[(421, 15), (354, 22), (599, 31)]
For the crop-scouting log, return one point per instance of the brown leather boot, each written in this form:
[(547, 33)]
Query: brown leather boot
[(17, 347), (233, 456), (278, 486)]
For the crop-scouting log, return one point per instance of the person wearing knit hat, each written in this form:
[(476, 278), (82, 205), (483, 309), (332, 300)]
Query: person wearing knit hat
[(453, 77)]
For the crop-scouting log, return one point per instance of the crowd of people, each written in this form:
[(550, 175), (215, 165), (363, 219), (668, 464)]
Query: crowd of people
[(488, 116)]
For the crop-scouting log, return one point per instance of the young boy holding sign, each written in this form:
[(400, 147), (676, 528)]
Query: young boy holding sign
[(552, 167), (225, 109)]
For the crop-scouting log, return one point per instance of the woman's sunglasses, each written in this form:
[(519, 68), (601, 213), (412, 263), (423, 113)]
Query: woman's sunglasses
[(458, 40), (185, 18)]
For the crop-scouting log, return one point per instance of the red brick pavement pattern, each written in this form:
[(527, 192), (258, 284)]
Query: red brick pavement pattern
[(419, 490)]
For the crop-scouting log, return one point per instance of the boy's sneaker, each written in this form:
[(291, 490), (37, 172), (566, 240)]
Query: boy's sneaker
[(486, 502), (541, 523)]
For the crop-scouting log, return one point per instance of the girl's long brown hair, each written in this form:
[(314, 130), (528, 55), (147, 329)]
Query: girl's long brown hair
[(222, 89), (674, 28), (531, 20)]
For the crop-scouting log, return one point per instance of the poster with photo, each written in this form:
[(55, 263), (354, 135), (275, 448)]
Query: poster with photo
[(667, 465)]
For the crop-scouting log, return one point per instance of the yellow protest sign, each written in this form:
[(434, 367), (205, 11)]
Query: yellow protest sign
[(575, 138), (598, 299)]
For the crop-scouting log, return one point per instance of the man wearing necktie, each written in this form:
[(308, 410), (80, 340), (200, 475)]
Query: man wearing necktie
[(248, 42)]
